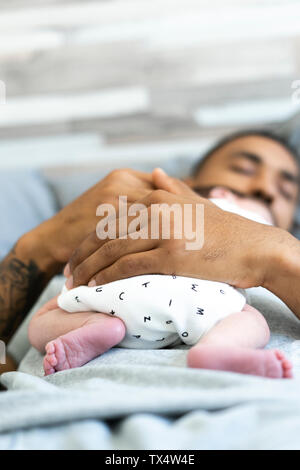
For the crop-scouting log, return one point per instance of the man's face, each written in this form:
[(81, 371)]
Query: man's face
[(256, 167)]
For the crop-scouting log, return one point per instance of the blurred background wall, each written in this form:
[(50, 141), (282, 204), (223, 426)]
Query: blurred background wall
[(89, 81)]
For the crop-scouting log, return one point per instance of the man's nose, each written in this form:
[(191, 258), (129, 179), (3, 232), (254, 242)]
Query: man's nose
[(264, 187)]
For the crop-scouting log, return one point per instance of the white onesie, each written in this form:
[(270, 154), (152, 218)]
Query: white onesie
[(159, 310)]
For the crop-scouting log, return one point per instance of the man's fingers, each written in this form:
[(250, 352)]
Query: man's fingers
[(86, 249), (173, 185), (131, 265), (67, 270), (162, 181), (94, 254), (107, 255), (92, 243)]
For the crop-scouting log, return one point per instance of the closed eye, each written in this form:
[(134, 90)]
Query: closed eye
[(243, 170), (288, 191)]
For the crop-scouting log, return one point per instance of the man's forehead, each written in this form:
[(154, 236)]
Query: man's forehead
[(264, 150)]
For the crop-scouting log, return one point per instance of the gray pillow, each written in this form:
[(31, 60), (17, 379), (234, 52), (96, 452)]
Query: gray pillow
[(68, 186), (25, 201)]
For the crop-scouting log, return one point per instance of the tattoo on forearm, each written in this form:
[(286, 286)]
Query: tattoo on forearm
[(20, 285)]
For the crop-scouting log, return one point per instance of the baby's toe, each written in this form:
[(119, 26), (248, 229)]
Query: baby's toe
[(279, 354), (52, 359), (50, 348), (48, 369), (287, 367)]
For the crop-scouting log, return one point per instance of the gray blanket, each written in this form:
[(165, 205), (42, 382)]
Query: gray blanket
[(150, 400)]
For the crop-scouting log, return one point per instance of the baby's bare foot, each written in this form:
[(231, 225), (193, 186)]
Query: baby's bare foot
[(265, 363), (84, 344)]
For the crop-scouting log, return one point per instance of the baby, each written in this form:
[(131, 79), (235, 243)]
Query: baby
[(157, 311)]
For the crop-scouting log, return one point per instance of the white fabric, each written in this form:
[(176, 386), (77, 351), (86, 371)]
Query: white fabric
[(230, 207), (160, 310), (73, 409), (157, 309)]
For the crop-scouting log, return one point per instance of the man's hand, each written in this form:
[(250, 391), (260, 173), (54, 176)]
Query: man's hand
[(41, 253), (233, 251), (59, 236)]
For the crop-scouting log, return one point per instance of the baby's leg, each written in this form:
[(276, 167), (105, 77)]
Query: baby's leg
[(72, 340), (232, 346)]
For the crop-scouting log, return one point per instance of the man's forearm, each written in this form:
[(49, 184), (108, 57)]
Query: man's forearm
[(283, 278), (24, 273)]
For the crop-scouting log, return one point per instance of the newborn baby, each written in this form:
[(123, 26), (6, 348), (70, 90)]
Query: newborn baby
[(157, 311)]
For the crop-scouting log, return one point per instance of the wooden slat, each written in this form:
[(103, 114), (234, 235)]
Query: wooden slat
[(141, 72), (63, 108), (72, 150), (84, 68)]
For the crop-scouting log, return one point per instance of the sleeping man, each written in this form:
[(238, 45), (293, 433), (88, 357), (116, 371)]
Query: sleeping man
[(254, 169), (155, 311)]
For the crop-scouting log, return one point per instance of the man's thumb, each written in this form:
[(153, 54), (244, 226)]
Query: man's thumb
[(163, 181)]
